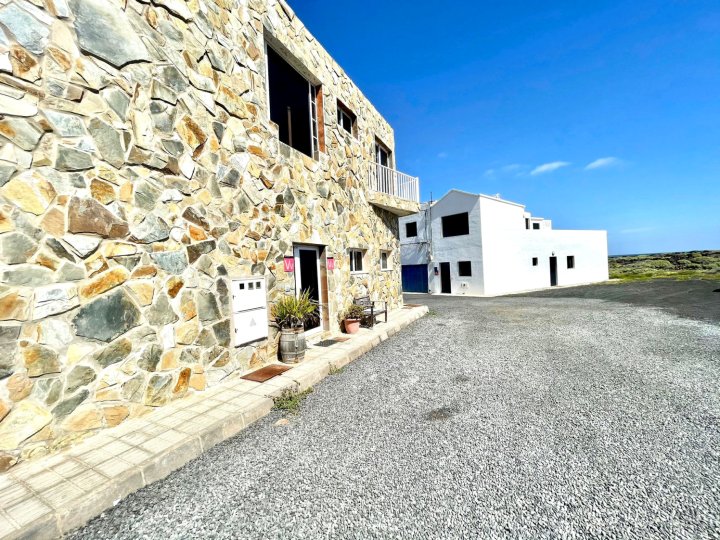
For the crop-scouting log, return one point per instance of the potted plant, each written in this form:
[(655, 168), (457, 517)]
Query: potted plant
[(291, 314), (353, 316)]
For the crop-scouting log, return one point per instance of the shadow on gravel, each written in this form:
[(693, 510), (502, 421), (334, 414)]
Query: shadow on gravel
[(438, 415)]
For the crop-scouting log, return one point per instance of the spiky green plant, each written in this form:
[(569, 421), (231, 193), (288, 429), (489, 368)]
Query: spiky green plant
[(293, 312)]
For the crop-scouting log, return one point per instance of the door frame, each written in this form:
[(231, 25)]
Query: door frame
[(446, 266), (320, 285)]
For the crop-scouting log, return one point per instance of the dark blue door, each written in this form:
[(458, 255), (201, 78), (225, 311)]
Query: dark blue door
[(415, 278)]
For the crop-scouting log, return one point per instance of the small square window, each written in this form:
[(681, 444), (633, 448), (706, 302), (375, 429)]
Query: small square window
[(535, 261), (346, 119), (536, 226), (356, 260), (384, 260), (571, 261), (411, 229), (464, 268)]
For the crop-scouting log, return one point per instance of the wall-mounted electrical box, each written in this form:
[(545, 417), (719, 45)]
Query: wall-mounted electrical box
[(249, 306)]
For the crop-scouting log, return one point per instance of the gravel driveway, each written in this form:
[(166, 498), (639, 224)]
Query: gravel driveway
[(510, 417)]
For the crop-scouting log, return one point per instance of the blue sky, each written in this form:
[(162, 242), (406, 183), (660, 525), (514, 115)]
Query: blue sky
[(598, 115)]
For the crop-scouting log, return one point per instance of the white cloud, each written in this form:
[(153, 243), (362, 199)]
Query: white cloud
[(511, 168), (549, 167), (637, 230), (514, 169), (603, 162)]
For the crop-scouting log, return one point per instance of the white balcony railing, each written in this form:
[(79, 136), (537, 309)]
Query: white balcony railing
[(387, 180)]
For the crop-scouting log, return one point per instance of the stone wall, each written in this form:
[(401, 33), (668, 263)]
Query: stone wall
[(139, 173)]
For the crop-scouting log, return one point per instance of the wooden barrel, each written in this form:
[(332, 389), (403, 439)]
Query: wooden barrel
[(292, 345)]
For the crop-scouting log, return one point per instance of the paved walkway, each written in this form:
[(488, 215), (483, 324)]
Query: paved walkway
[(57, 494), (488, 418)]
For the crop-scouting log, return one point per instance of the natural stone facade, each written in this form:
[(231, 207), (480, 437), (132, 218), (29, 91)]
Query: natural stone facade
[(140, 173)]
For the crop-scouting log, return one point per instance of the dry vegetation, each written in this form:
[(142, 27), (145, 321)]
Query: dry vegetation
[(686, 265)]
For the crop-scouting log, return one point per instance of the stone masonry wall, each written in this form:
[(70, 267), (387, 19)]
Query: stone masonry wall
[(139, 172)]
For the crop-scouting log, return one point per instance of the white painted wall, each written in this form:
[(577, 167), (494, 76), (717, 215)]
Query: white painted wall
[(457, 248), (501, 249)]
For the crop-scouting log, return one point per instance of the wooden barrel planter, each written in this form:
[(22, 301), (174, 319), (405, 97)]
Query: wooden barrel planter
[(292, 345)]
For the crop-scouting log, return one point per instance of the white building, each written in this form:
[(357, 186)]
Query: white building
[(479, 245)]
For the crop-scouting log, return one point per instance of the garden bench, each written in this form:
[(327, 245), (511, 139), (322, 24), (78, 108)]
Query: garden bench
[(370, 310)]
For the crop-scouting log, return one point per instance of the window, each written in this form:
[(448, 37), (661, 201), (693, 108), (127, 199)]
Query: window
[(571, 261), (527, 223), (411, 229), (455, 225), (536, 226), (382, 154), (295, 105), (346, 119), (535, 261), (384, 260), (464, 269), (356, 260)]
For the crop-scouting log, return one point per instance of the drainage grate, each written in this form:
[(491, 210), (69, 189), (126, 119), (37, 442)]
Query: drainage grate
[(266, 373)]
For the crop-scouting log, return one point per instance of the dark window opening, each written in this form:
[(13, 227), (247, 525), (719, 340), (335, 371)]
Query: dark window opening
[(464, 268), (346, 119), (527, 223), (411, 229), (536, 226), (382, 154), (535, 261), (293, 105), (571, 261), (356, 260), (456, 225)]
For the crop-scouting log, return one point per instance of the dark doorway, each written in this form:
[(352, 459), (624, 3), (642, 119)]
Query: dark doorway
[(445, 278), (553, 271), (310, 279), (290, 102)]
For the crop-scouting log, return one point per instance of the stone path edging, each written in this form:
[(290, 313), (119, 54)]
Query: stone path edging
[(54, 495)]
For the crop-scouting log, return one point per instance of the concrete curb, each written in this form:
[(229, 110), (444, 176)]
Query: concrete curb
[(234, 406)]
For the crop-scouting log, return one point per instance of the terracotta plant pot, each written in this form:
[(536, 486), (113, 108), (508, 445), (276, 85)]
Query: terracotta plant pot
[(352, 326)]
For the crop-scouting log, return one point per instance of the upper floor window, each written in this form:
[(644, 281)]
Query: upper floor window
[(295, 105), (347, 119), (383, 155), (456, 225), (536, 226), (571, 262), (535, 261), (411, 229), (384, 260)]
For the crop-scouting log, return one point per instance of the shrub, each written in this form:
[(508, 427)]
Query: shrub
[(292, 312), (354, 312)]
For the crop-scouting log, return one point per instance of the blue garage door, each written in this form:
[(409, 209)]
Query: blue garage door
[(415, 278)]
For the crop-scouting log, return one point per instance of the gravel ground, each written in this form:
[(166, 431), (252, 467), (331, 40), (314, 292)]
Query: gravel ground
[(694, 299), (509, 417)]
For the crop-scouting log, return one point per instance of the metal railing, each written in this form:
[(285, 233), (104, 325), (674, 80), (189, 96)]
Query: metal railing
[(387, 180)]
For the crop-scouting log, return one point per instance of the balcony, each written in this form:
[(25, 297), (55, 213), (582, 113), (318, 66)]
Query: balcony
[(392, 190)]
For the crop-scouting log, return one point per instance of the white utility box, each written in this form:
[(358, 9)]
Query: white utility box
[(250, 314)]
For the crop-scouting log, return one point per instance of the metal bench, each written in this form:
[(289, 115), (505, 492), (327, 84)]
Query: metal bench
[(370, 310)]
